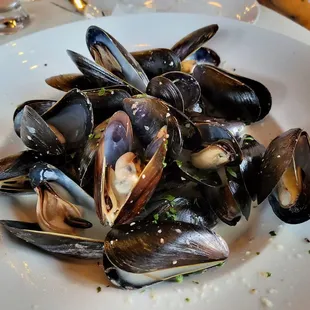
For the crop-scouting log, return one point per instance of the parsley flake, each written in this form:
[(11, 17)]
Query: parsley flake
[(101, 92), (272, 233), (179, 278), (98, 289), (232, 172), (156, 218), (187, 299)]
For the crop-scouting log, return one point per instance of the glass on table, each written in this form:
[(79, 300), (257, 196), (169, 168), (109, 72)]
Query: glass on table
[(13, 17)]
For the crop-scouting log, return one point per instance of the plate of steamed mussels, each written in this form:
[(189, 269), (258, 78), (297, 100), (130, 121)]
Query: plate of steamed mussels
[(159, 159)]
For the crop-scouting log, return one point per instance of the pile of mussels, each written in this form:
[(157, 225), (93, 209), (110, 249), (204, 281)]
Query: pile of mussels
[(153, 141)]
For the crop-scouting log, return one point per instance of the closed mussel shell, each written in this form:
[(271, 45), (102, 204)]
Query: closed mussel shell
[(172, 249)]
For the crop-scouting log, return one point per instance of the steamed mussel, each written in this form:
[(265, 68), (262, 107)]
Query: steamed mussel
[(155, 143)]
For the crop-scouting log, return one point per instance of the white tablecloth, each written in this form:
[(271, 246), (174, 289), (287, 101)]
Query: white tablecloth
[(46, 15)]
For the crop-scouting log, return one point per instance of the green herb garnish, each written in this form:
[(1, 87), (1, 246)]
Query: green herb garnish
[(309, 251), (164, 164), (232, 172), (101, 92), (142, 291), (156, 218), (220, 264), (179, 163), (187, 299), (73, 155), (257, 253), (272, 233), (90, 136), (169, 198), (268, 274), (98, 289), (97, 135), (249, 138), (171, 214), (179, 278), (141, 95), (195, 282)]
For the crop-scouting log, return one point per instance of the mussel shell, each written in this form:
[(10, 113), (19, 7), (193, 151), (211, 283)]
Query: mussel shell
[(157, 61), (163, 88), (56, 244), (66, 82), (252, 153), (110, 54), (46, 173), (203, 55), (106, 102), (97, 74), (289, 149), (195, 211), (223, 203), (193, 41), (37, 135), (148, 115), (187, 85), (181, 248), (235, 101), (76, 107), (40, 106), (277, 158)]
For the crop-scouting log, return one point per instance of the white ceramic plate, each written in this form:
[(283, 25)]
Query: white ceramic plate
[(31, 279), (244, 10)]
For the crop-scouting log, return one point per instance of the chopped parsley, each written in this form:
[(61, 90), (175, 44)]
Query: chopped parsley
[(187, 299), (179, 278), (142, 291), (98, 289), (257, 253), (90, 136), (171, 214), (97, 135), (73, 155), (101, 92), (179, 163), (309, 251), (164, 164), (141, 96), (195, 282), (249, 138), (268, 274), (220, 264), (156, 218), (170, 198), (232, 172), (307, 240), (272, 233)]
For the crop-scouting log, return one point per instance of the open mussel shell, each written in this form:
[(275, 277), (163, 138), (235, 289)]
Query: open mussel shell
[(148, 115), (203, 55), (112, 56), (95, 73), (285, 173), (193, 41), (157, 61), (89, 152), (66, 82), (252, 153), (51, 133), (106, 102), (239, 99), (56, 244), (60, 183), (40, 106), (172, 249)]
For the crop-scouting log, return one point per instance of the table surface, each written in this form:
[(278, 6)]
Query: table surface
[(41, 10)]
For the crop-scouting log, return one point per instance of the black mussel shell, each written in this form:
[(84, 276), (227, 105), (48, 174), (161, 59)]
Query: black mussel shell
[(57, 244), (239, 99), (74, 106), (187, 85), (97, 74), (163, 88), (106, 102), (172, 249), (66, 82), (40, 106), (112, 56), (203, 55), (193, 41), (285, 175), (195, 211), (148, 115), (42, 173), (157, 61), (37, 135), (252, 153)]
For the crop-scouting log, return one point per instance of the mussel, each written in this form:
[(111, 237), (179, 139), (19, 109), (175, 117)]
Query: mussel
[(284, 176), (51, 133), (124, 183)]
